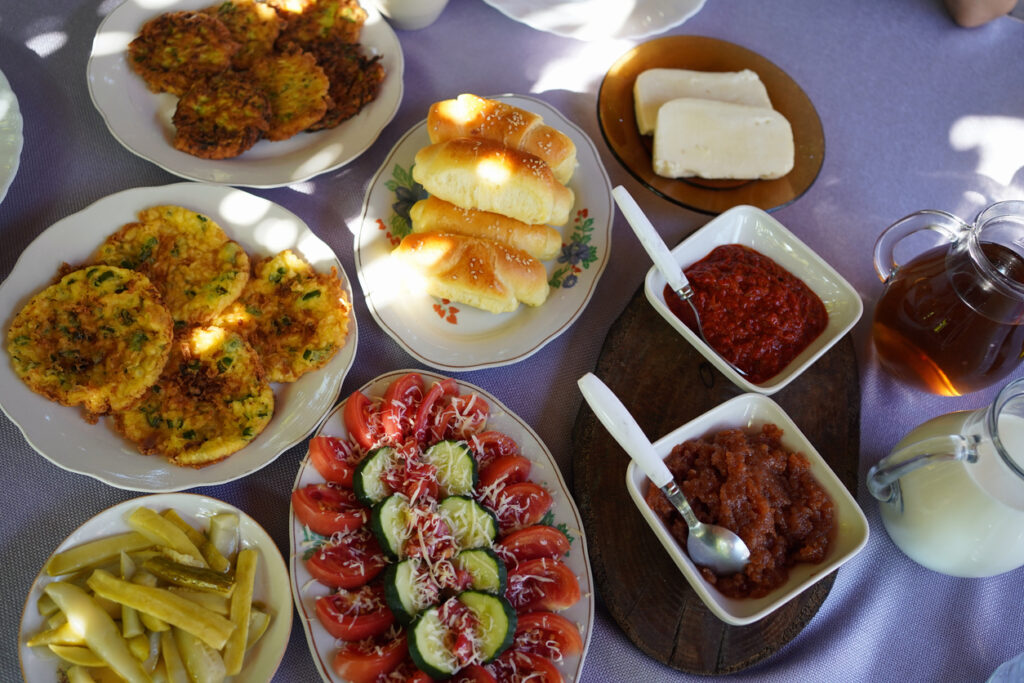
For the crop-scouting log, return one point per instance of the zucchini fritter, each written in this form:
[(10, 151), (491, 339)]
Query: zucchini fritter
[(211, 400), (295, 317), (221, 116), (312, 21), (174, 49), (98, 338), (255, 25), (196, 268), (297, 89), (355, 80)]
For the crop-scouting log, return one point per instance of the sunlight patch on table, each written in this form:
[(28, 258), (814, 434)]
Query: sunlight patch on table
[(997, 140), (45, 44)]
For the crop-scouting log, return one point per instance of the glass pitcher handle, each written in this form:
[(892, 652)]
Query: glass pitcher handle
[(888, 471), (941, 222)]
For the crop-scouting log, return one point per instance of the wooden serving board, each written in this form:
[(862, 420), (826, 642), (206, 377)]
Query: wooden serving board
[(665, 382)]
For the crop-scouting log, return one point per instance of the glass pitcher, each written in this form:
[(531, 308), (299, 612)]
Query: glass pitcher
[(952, 491), (951, 319)]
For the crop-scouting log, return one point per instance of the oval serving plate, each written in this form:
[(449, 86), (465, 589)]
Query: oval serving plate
[(37, 664), (597, 19), (141, 120), (544, 471), (11, 136), (61, 435), (617, 118), (456, 337)]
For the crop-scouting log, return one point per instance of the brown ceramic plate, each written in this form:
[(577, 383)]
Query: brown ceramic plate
[(618, 124)]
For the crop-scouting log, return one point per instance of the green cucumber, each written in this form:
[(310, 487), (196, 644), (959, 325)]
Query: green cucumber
[(456, 467), (487, 569), (496, 622), (473, 525), (368, 479), (427, 646), (388, 521), (401, 592)]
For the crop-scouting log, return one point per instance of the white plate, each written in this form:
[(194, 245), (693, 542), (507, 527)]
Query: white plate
[(11, 139), (544, 472), (456, 337), (596, 19), (39, 665), (756, 229), (750, 412), (61, 435), (141, 120)]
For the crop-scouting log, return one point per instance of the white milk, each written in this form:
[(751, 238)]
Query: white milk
[(963, 519)]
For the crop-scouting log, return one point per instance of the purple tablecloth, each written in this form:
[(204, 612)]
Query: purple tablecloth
[(917, 114)]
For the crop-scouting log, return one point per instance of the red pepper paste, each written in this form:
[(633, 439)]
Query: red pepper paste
[(754, 312), (750, 484)]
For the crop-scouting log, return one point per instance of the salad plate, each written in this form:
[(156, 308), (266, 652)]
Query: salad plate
[(261, 662), (454, 337), (61, 435), (11, 137), (544, 471), (141, 120), (597, 19)]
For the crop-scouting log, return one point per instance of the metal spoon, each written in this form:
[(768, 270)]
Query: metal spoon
[(663, 259), (708, 545)]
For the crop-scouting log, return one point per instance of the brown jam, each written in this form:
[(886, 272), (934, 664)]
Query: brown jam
[(750, 484)]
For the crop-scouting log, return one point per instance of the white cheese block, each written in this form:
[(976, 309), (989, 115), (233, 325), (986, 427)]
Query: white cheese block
[(711, 139), (655, 87)]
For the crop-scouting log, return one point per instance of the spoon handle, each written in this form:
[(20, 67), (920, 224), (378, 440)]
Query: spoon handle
[(650, 239), (621, 425)]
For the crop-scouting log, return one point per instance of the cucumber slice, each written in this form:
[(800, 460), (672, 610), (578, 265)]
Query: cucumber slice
[(427, 646), (402, 591), (473, 525), (497, 622), (388, 521), (487, 569), (456, 467), (368, 479)]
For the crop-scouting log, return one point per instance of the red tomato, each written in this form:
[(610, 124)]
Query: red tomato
[(533, 542), (505, 469), (408, 673), (333, 458), (460, 418), (398, 410), (432, 403), (547, 634), (360, 418), (490, 445), (543, 584), (474, 673), (354, 615), (515, 665), (520, 504), (364, 661), (350, 563), (329, 508)]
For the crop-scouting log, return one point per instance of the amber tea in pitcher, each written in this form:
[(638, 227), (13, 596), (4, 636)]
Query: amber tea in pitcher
[(951, 320)]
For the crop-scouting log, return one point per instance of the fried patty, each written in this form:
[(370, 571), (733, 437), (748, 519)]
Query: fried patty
[(254, 25), (197, 269), (314, 21), (174, 49), (221, 116), (354, 80), (211, 400), (297, 88), (97, 338), (295, 317)]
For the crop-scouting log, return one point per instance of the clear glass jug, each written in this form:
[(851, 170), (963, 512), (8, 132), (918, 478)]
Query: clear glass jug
[(951, 319), (952, 491)]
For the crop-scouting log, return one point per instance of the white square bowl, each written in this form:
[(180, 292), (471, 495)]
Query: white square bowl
[(754, 228), (749, 412)]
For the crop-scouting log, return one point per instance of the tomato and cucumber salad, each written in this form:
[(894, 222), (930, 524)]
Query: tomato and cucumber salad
[(435, 543)]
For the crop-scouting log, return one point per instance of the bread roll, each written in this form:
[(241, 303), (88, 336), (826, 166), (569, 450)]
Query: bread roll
[(475, 271), (476, 117), (436, 215), (475, 173)]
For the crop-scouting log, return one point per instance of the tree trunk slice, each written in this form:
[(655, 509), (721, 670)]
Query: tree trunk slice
[(665, 382)]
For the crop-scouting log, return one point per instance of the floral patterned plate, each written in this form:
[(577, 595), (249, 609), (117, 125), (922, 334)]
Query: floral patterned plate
[(450, 336)]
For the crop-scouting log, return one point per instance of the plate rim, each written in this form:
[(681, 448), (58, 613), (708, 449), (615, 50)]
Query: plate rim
[(505, 7), (11, 122)]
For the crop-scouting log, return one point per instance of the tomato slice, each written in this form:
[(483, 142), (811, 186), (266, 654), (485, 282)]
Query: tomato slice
[(504, 470), (430, 406), (533, 542), (520, 504), (333, 458), (352, 561), (474, 673), (461, 417), (364, 661), (398, 409), (329, 508), (542, 584), (357, 614), (547, 634), (408, 673), (359, 419), (515, 666), (492, 444)]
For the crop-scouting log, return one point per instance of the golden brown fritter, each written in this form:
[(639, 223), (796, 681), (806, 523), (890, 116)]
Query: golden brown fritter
[(313, 21), (295, 317), (297, 89), (255, 25), (354, 80), (97, 338), (211, 400), (221, 116), (196, 268), (175, 48)]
